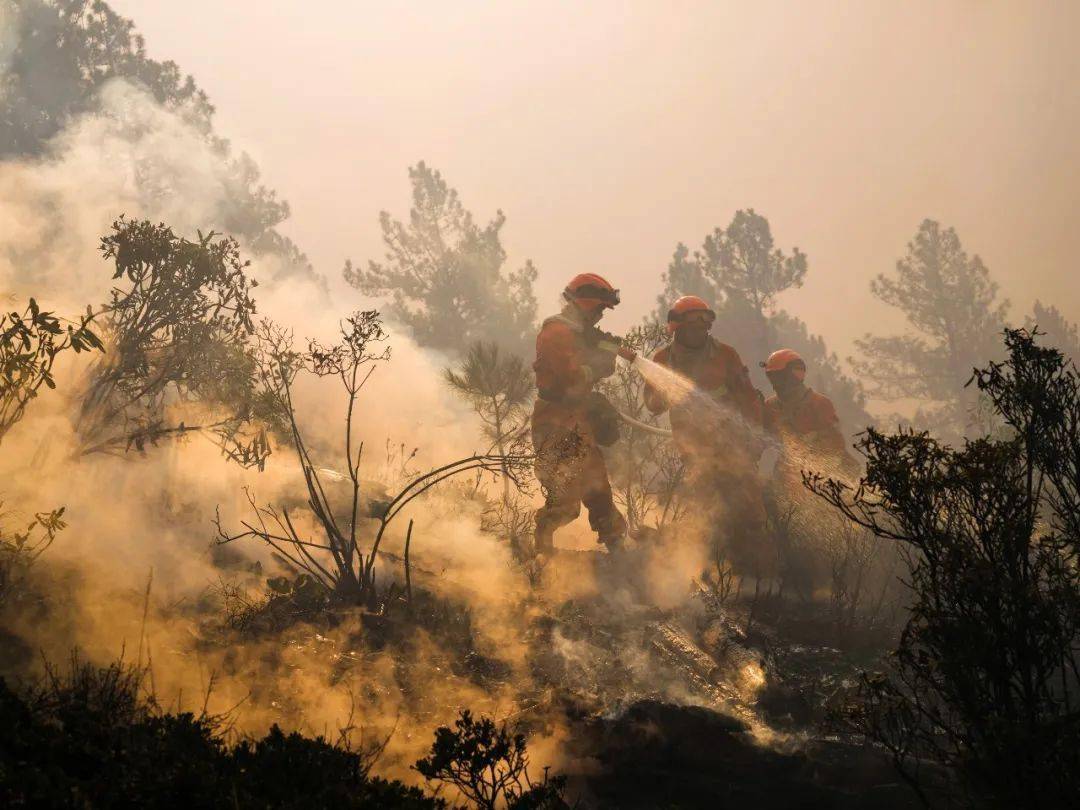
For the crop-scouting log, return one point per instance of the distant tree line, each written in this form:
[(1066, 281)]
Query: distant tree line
[(444, 274), (949, 299)]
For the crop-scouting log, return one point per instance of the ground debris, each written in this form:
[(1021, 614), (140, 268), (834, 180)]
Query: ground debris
[(657, 754)]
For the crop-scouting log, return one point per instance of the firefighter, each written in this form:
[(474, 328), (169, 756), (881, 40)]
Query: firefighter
[(808, 430), (803, 420), (719, 447), (570, 421)]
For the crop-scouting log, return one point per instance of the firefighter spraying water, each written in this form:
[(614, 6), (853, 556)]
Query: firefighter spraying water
[(570, 421), (719, 423), (719, 450)]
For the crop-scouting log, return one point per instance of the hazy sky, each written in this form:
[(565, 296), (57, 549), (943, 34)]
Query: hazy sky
[(608, 131)]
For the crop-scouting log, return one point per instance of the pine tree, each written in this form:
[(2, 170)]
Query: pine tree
[(444, 274), (499, 387), (747, 266), (951, 302), (1050, 322)]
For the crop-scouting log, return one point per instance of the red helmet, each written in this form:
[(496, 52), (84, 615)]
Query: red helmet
[(589, 291), (784, 359), (683, 307)]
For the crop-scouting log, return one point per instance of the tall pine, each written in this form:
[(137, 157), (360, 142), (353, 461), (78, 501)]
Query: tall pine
[(444, 274), (1059, 332), (956, 318)]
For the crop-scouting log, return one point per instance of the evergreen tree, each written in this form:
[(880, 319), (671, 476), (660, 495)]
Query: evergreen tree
[(499, 387), (747, 266), (951, 302), (444, 274), (1058, 331), (738, 266)]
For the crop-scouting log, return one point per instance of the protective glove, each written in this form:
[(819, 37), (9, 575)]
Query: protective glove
[(601, 363)]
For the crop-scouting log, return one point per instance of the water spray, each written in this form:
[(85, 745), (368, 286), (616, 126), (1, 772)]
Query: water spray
[(681, 391)]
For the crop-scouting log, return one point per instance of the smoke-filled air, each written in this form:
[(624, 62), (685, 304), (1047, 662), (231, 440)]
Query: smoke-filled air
[(634, 405)]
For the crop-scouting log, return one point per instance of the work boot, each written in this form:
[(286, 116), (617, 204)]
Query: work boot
[(611, 530), (612, 541), (544, 542)]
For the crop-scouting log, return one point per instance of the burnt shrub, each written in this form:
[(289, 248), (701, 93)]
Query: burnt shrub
[(489, 765), (90, 738), (986, 677)]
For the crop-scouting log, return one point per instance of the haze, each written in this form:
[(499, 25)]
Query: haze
[(609, 132)]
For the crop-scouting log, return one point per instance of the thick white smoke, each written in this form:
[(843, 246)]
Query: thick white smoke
[(130, 156), (135, 514)]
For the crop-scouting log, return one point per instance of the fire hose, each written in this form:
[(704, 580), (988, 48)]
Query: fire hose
[(634, 423), (769, 441)]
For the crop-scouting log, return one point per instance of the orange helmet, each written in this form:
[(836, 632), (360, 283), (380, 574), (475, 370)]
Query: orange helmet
[(783, 359), (683, 307), (589, 291)]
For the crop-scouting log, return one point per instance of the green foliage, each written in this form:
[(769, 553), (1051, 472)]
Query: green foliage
[(444, 273), (489, 765), (743, 262), (740, 273), (179, 332), (90, 738), (951, 304), (986, 680), (30, 342), (67, 50), (499, 387)]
